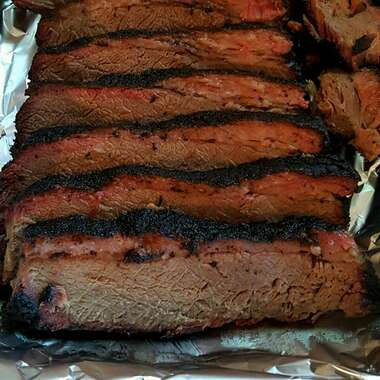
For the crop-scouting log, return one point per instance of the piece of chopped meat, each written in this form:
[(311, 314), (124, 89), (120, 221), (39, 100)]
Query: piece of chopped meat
[(352, 26), (351, 106)]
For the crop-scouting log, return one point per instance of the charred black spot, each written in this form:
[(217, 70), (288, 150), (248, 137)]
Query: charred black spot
[(47, 295), (361, 44), (140, 256), (21, 310)]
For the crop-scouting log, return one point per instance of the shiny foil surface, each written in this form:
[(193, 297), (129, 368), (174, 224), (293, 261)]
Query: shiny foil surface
[(334, 348)]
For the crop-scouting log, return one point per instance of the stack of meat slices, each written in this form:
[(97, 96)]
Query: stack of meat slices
[(168, 178), (350, 101)]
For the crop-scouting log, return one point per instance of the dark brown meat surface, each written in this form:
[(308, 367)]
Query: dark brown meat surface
[(55, 105), (262, 50), (154, 283), (245, 138), (351, 106), (271, 198), (352, 26), (88, 18)]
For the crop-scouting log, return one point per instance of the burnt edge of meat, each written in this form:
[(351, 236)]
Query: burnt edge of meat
[(22, 310), (131, 33), (309, 165), (152, 77), (194, 120), (176, 225), (21, 313)]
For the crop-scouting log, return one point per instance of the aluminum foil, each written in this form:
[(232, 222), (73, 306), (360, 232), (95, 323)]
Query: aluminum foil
[(334, 348)]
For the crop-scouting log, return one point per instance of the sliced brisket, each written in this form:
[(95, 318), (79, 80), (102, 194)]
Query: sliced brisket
[(272, 197), (351, 106), (88, 18), (167, 273), (161, 99), (263, 50), (265, 190), (200, 142), (352, 26)]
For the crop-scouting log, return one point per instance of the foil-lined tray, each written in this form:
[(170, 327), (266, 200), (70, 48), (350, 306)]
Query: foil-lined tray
[(334, 348)]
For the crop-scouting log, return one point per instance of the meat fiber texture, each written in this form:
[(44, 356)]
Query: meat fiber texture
[(352, 26), (108, 217), (153, 98), (171, 274), (270, 190), (351, 106), (262, 50), (73, 20), (202, 141)]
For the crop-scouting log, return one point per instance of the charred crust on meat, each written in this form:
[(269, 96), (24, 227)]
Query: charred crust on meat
[(194, 120), (151, 78), (22, 310), (307, 165), (176, 225), (141, 33)]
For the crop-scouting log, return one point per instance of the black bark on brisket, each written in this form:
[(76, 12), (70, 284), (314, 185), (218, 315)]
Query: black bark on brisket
[(310, 166), (177, 225)]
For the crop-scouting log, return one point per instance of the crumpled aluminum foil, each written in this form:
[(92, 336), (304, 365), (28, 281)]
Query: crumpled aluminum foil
[(334, 348)]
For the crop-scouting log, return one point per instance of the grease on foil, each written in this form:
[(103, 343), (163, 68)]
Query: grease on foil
[(334, 348)]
